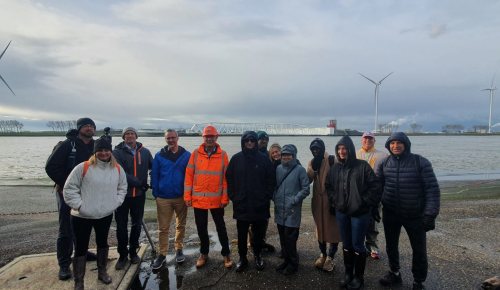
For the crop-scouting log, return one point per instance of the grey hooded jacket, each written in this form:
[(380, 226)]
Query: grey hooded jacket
[(289, 195)]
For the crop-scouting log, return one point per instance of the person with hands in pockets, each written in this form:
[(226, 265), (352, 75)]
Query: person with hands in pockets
[(291, 189), (93, 190)]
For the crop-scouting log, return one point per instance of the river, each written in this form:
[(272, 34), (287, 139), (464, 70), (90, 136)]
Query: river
[(453, 157)]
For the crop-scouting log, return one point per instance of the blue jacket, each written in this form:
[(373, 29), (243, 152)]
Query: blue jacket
[(169, 170), (410, 186)]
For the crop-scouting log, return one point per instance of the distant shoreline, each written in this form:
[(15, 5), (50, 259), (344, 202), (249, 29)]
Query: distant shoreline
[(161, 134)]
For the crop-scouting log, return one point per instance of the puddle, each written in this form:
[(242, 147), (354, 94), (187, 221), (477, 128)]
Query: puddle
[(171, 275)]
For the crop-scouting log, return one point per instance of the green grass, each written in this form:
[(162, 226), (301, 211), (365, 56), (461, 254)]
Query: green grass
[(472, 191)]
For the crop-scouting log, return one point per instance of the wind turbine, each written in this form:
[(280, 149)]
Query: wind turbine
[(377, 85), (492, 93), (1, 75)]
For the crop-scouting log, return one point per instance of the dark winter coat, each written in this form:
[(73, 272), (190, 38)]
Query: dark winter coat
[(352, 186), (58, 167), (410, 188), (168, 173), (250, 183), (136, 167)]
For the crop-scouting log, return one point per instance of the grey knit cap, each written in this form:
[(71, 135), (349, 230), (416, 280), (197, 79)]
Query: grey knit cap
[(125, 130)]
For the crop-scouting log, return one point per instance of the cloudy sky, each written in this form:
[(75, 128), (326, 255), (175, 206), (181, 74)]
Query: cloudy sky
[(163, 63)]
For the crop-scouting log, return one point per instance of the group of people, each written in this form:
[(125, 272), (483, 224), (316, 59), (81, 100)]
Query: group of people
[(93, 181)]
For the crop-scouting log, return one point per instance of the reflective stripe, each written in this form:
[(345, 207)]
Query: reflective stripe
[(221, 183), (214, 194), (208, 172), (188, 188), (190, 166), (195, 160)]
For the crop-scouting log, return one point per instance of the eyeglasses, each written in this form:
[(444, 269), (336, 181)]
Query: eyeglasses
[(250, 140)]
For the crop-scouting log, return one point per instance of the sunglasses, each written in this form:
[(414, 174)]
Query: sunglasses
[(250, 140)]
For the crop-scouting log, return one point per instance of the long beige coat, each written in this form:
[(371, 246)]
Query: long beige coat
[(326, 224)]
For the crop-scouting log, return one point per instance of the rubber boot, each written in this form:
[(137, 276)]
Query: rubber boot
[(359, 272), (79, 264), (349, 267), (102, 262)]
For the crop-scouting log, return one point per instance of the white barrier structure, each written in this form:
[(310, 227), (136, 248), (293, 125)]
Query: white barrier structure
[(271, 129)]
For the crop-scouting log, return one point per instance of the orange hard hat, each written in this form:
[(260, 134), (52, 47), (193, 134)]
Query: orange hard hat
[(210, 131)]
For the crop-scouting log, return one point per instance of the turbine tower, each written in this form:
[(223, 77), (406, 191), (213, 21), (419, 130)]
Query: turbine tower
[(1, 75), (377, 85), (492, 93)]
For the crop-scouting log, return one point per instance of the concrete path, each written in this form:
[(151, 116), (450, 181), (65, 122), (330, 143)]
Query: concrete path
[(40, 272)]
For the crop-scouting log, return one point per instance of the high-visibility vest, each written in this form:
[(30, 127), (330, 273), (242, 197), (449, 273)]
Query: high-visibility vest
[(205, 182)]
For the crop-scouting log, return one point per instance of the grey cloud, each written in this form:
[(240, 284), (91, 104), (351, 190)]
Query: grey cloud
[(437, 30), (248, 30)]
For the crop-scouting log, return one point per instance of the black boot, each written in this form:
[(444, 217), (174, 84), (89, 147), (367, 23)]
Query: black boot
[(259, 263), (349, 267), (359, 272), (282, 266), (79, 264), (242, 264), (102, 262)]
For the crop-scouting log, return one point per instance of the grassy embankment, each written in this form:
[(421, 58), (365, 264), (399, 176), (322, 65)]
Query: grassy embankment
[(450, 191)]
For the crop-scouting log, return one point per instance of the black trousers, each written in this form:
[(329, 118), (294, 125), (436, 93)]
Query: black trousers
[(65, 237), (416, 234), (134, 206), (201, 219), (288, 241), (258, 230), (82, 228)]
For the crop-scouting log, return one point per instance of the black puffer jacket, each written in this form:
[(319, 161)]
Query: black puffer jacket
[(250, 182), (410, 187), (351, 185), (136, 167), (58, 167)]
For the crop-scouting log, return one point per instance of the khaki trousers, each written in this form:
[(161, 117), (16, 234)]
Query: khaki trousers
[(165, 209)]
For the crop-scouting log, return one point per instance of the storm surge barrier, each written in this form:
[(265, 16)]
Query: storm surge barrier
[(271, 129)]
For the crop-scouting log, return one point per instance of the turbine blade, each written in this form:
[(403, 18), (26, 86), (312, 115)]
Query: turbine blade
[(5, 49), (493, 80), (385, 78), (368, 78), (7, 85)]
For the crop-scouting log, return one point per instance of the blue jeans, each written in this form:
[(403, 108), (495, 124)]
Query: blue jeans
[(353, 231)]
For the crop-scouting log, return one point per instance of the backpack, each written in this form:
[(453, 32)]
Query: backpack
[(71, 158)]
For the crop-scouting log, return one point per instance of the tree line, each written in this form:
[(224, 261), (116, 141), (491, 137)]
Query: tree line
[(61, 126), (10, 126)]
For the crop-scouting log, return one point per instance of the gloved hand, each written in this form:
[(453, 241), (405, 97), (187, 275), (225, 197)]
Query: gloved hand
[(145, 187), (429, 223), (375, 214), (332, 210)]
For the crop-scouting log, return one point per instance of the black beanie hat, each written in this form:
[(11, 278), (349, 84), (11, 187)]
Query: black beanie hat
[(103, 142), (84, 121)]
